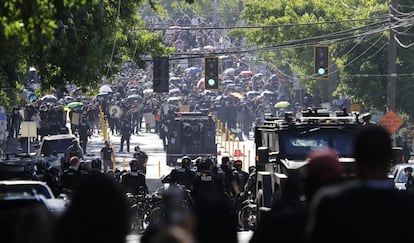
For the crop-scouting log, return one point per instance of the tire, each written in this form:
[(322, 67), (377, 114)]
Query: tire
[(248, 217)]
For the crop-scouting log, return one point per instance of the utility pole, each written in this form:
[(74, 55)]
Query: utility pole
[(392, 65)]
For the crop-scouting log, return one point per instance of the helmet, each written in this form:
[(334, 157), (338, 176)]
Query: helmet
[(206, 163), (96, 164), (137, 148), (106, 142), (238, 163), (185, 161), (133, 163)]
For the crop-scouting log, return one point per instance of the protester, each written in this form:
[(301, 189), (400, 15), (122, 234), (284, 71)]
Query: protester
[(359, 210), (98, 212), (107, 155), (288, 222)]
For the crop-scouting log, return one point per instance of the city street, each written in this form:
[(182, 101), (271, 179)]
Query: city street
[(156, 168), (152, 145)]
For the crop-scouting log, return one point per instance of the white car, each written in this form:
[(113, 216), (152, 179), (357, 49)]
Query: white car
[(397, 174), (35, 188)]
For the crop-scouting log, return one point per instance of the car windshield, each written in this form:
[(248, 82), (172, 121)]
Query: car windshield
[(33, 189), (58, 146), (298, 146)]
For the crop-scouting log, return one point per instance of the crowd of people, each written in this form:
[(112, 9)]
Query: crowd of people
[(335, 210)]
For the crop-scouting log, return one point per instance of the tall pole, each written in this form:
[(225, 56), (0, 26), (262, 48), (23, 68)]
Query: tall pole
[(392, 59)]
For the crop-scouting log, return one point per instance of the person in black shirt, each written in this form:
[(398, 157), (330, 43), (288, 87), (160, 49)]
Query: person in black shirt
[(70, 177), (107, 153), (182, 175), (125, 134), (142, 158), (134, 181), (74, 150), (84, 133), (409, 185)]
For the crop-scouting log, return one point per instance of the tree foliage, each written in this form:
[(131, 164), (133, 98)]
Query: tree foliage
[(356, 32), (72, 41)]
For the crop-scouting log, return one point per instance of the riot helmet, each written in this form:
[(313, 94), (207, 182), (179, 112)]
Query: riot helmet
[(133, 164), (185, 161)]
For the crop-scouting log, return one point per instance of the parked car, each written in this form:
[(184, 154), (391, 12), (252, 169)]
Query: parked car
[(19, 166), (397, 174), (33, 188)]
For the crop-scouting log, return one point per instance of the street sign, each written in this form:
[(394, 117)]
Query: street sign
[(391, 121), (28, 129)]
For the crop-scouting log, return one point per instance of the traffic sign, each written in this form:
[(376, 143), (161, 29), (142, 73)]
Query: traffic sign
[(391, 121)]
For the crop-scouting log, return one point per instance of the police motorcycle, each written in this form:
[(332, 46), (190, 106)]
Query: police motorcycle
[(139, 207), (166, 205)]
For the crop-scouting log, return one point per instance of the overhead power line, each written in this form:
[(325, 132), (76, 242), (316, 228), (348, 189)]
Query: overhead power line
[(176, 27)]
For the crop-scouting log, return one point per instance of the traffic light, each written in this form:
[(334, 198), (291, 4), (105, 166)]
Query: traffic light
[(161, 74), (211, 73), (321, 64)]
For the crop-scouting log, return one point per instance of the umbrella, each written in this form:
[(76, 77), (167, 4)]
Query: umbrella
[(253, 93), (148, 91), (208, 47), (210, 93), (74, 104), (246, 73), (105, 89), (174, 100), (258, 75), (229, 71), (175, 79), (267, 92), (200, 83), (174, 91), (282, 104), (237, 95), (192, 70), (134, 98), (49, 99)]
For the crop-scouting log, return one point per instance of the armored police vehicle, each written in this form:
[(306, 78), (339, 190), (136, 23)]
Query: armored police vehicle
[(283, 144), (192, 134)]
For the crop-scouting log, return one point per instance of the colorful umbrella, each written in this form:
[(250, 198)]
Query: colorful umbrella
[(74, 104), (192, 70), (246, 73), (282, 104)]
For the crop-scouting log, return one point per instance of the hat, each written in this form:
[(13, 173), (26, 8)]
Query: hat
[(324, 164), (238, 162)]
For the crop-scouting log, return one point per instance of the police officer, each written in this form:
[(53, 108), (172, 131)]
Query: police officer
[(107, 153), (70, 177), (125, 133), (93, 167), (84, 133), (240, 175), (74, 150), (206, 181), (142, 158), (182, 175), (134, 181)]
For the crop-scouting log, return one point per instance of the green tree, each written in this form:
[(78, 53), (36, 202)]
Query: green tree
[(356, 32), (71, 41)]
